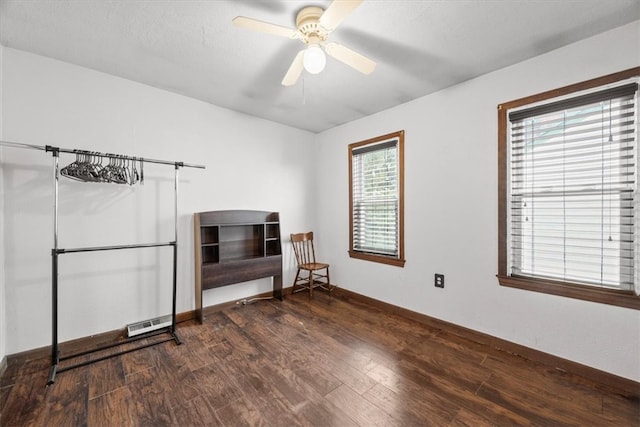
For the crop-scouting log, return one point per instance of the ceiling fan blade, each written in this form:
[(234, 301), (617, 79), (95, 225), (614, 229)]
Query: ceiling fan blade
[(350, 57), (264, 27), (336, 12), (295, 69)]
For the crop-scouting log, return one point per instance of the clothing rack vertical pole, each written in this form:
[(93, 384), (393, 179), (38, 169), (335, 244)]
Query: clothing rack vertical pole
[(54, 271), (175, 254)]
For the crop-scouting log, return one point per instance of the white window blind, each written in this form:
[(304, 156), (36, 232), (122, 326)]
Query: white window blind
[(572, 189), (375, 198)]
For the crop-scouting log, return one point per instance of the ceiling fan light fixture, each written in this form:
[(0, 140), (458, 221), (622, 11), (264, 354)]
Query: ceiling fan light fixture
[(314, 59), (313, 27)]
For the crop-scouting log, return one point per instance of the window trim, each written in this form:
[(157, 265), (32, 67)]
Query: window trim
[(615, 297), (398, 261)]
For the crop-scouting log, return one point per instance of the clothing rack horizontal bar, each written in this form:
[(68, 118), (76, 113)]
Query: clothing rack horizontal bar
[(22, 145), (97, 153), (111, 248), (119, 353), (118, 343)]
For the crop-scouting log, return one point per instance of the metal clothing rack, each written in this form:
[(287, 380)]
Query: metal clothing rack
[(56, 251)]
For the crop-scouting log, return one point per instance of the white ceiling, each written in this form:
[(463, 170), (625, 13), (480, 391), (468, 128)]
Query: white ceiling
[(191, 48)]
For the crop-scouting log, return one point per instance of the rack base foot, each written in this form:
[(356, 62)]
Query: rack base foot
[(52, 375), (176, 338)]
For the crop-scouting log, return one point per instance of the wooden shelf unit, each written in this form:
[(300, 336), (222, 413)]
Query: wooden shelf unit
[(236, 246)]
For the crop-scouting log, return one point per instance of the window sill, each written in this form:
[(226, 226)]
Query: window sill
[(377, 258), (615, 297)]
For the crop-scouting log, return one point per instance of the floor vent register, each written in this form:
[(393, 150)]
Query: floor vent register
[(148, 325)]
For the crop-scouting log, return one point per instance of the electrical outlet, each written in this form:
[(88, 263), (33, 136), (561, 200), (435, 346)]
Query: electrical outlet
[(439, 281)]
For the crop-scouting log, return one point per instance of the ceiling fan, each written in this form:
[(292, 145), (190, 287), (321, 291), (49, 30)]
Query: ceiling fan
[(313, 27)]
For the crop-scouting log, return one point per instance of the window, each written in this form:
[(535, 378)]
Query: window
[(376, 192), (568, 191)]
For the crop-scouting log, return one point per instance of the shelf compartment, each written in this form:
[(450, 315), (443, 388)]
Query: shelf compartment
[(210, 254), (272, 247), (240, 232), (272, 231), (209, 235), (241, 241), (238, 249)]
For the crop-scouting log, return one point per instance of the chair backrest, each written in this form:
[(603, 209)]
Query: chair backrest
[(303, 247)]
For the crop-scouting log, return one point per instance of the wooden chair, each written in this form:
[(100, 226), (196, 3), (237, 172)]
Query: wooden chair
[(306, 258)]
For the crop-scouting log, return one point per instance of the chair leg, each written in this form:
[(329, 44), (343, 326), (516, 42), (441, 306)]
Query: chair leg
[(295, 282), (329, 287), (311, 279)]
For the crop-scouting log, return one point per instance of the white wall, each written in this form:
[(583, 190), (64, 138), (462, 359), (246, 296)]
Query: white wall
[(251, 164), (451, 202), (452, 212)]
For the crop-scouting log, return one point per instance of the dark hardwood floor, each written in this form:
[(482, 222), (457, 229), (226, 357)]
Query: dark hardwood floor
[(324, 362)]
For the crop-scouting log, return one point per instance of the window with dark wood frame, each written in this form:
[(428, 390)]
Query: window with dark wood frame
[(514, 210), (376, 199)]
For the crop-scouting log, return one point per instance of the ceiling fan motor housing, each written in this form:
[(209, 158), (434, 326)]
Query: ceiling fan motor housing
[(307, 23)]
